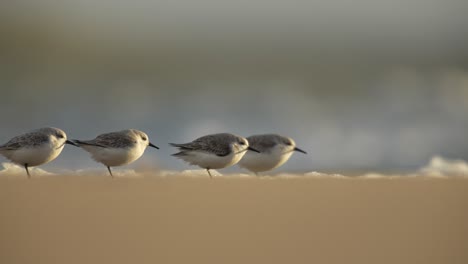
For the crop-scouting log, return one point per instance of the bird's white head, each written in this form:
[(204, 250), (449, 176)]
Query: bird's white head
[(287, 145), (141, 138), (57, 137), (240, 144)]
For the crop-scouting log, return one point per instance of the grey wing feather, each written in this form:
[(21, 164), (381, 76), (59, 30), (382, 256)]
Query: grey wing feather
[(10, 146), (262, 143), (210, 144), (26, 140), (111, 140), (87, 142)]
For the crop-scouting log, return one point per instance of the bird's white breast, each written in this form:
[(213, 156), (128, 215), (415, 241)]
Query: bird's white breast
[(212, 161), (265, 161), (34, 156), (115, 156)]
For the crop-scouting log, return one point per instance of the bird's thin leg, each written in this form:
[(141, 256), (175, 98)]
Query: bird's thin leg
[(27, 170), (109, 169), (209, 173)]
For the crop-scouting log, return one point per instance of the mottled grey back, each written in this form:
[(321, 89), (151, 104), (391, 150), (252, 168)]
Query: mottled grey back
[(31, 139), (265, 142), (121, 139), (219, 144)]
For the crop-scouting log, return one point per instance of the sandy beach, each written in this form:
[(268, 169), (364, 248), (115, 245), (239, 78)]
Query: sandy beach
[(96, 219)]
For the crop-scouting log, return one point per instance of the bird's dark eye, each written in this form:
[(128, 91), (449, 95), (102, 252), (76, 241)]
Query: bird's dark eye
[(59, 136), (242, 143), (288, 143), (144, 138)]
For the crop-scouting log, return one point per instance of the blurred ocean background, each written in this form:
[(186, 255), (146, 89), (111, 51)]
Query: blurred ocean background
[(361, 85)]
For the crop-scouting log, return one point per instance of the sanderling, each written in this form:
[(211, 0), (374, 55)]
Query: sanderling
[(215, 151), (116, 148), (275, 150), (36, 147)]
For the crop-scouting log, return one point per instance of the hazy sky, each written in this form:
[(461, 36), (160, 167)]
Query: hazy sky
[(359, 84)]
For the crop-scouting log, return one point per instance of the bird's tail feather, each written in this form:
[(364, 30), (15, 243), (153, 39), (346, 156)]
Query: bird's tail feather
[(181, 146), (179, 154), (82, 142)]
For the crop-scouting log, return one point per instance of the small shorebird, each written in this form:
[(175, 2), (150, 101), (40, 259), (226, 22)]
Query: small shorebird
[(215, 151), (116, 148), (274, 149), (35, 148)]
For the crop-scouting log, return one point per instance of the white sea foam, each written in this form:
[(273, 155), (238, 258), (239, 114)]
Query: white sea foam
[(316, 174), (437, 167), (440, 167), (11, 169), (192, 173)]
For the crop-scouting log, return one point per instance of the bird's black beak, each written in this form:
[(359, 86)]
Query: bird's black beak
[(252, 149), (300, 150), (152, 145), (71, 143)]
